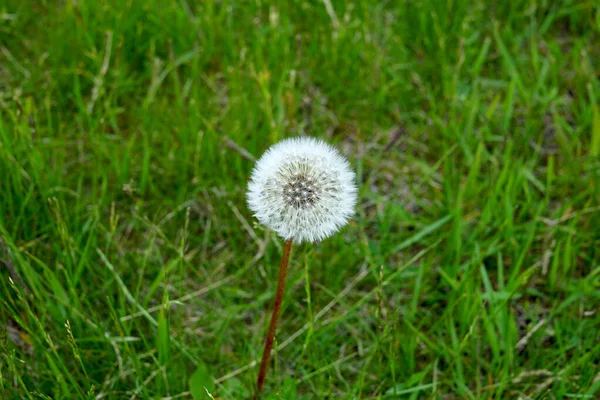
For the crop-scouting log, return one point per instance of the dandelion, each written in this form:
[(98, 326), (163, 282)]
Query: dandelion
[(304, 190)]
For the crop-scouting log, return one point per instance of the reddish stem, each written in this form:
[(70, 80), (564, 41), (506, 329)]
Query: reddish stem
[(275, 316)]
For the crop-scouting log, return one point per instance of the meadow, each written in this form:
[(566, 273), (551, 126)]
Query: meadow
[(132, 268)]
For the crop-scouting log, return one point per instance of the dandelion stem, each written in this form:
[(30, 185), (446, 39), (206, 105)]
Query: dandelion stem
[(275, 316)]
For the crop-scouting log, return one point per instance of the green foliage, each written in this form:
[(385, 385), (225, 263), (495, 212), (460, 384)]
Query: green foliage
[(201, 383), (127, 133)]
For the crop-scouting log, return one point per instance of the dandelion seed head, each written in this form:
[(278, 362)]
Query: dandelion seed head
[(303, 189)]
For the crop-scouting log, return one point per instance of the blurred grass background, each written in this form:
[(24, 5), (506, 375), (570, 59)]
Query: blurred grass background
[(132, 267)]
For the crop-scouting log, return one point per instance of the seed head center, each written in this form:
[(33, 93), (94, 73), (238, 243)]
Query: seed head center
[(300, 191)]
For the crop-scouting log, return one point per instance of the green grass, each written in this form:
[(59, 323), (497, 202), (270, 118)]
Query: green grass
[(127, 131)]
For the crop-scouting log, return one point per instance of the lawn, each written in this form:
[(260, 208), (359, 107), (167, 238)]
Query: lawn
[(132, 268)]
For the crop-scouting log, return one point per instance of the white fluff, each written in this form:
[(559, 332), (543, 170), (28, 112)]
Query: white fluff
[(303, 189)]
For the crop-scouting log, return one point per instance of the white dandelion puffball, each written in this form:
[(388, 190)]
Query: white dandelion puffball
[(303, 189)]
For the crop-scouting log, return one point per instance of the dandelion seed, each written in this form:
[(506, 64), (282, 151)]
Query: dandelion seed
[(301, 166)]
